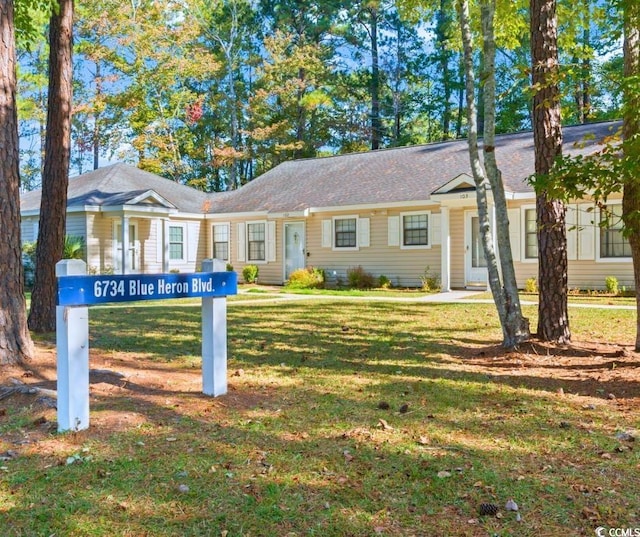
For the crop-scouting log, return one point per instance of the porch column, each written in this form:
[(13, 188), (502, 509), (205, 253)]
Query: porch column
[(445, 251), (494, 238), (126, 265), (165, 242)]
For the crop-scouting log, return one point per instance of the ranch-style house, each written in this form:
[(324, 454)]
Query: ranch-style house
[(394, 212)]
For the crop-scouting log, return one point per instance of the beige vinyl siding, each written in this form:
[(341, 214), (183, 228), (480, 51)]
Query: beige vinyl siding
[(403, 267), (270, 272), (589, 273), (195, 245)]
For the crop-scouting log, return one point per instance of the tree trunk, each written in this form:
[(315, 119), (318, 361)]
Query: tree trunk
[(515, 328), (631, 135), (42, 317), (15, 340), (375, 82), (553, 318)]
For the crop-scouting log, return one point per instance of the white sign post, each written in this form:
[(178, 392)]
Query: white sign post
[(76, 290), (214, 337), (72, 340)]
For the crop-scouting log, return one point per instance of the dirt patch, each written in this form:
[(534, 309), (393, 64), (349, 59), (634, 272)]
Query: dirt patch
[(593, 369)]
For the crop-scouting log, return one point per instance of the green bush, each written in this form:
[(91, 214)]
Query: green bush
[(531, 285), (306, 278), (358, 278), (384, 282), (229, 267), (430, 283), (611, 284), (250, 273), (73, 247)]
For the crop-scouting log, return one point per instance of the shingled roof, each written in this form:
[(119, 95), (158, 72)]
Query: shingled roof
[(404, 174), (120, 184)]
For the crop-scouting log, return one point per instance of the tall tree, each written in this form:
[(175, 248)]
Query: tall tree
[(553, 318), (631, 140), (15, 340), (502, 280), (53, 208)]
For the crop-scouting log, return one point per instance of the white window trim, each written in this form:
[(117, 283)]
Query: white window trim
[(429, 231), (213, 238), (333, 234), (246, 240), (599, 258), (523, 235), (183, 225)]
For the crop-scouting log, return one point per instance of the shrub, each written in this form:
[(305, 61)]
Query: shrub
[(250, 273), (358, 278), (73, 247), (430, 283), (384, 282), (229, 267), (611, 284), (531, 285), (306, 278)]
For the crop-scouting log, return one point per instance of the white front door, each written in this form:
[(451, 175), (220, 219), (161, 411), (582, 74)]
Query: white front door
[(133, 253), (294, 247), (475, 262)]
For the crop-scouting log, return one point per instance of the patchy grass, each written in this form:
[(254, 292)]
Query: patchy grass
[(342, 418)]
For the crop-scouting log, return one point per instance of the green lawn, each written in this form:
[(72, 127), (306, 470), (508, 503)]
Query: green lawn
[(303, 444)]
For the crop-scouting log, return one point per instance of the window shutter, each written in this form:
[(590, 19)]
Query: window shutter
[(159, 240), (193, 232), (326, 234), (363, 233), (435, 221), (242, 243), (271, 241), (586, 231), (571, 220), (515, 237), (393, 231)]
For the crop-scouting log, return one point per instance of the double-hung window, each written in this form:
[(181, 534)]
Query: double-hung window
[(177, 243), (613, 244), (345, 232), (221, 241), (256, 241), (415, 230)]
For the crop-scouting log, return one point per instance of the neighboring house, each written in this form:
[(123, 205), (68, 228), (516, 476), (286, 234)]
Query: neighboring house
[(395, 212)]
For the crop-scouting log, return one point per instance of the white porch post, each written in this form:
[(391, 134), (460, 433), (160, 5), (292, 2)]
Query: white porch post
[(126, 265), (165, 243), (445, 254), (494, 237)]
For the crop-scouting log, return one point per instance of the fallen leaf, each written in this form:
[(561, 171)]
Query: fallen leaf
[(442, 474), (384, 425)]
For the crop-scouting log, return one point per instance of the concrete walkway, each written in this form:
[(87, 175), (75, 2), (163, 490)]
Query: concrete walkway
[(449, 297)]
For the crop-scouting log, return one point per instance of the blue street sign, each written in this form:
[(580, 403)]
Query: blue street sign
[(87, 290)]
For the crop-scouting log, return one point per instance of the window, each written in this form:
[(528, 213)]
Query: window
[(176, 243), (256, 242), (221, 241), (345, 232), (530, 234), (612, 242), (415, 229)]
